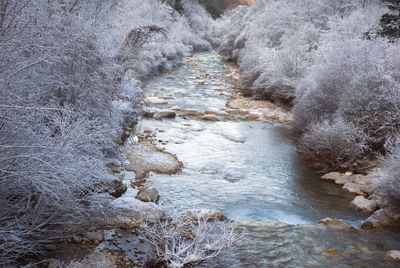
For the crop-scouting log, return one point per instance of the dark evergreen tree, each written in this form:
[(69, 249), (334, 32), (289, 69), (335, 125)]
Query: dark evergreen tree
[(390, 22)]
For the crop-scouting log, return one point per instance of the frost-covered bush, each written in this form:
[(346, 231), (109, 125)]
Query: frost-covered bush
[(276, 43), (357, 81), (390, 185), (372, 103), (328, 59), (333, 144), (70, 74), (188, 240), (319, 94)]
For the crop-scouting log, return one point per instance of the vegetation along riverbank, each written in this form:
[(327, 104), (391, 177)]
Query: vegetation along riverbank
[(180, 133)]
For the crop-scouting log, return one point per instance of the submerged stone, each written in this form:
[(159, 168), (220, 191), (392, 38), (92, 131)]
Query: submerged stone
[(335, 223), (331, 251)]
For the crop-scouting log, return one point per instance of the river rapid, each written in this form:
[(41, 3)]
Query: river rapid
[(249, 170)]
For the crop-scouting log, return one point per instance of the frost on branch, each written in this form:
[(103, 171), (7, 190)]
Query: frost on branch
[(333, 144), (184, 240), (70, 74), (390, 185)]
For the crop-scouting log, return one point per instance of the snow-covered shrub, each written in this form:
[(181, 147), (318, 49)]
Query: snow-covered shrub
[(202, 25), (185, 241), (277, 42), (70, 74), (372, 101), (390, 185), (319, 93), (333, 144), (356, 81)]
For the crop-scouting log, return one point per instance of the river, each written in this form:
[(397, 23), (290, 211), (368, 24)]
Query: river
[(249, 169)]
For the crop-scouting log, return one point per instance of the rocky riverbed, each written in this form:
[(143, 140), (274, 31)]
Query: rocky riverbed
[(368, 197)]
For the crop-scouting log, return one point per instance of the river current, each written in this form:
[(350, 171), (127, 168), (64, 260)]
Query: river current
[(251, 172)]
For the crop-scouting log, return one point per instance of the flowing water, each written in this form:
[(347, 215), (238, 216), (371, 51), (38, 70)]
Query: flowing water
[(251, 172)]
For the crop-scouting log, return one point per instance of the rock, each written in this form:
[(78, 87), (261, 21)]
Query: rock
[(94, 235), (216, 112), (393, 254), (353, 188), (331, 251), (190, 112), (363, 204), (118, 188), (252, 116), (368, 189), (381, 219), (164, 114), (155, 100), (335, 223), (77, 239), (144, 158), (337, 177), (148, 195), (362, 179), (158, 113), (135, 211), (210, 117), (206, 214)]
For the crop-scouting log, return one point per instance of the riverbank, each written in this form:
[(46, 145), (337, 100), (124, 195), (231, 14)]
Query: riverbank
[(245, 169), (366, 187), (369, 197), (248, 170)]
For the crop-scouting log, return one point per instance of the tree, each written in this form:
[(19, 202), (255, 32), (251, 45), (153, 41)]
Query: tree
[(390, 22)]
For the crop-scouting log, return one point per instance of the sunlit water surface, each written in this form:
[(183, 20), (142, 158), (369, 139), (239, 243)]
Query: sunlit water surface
[(252, 173)]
